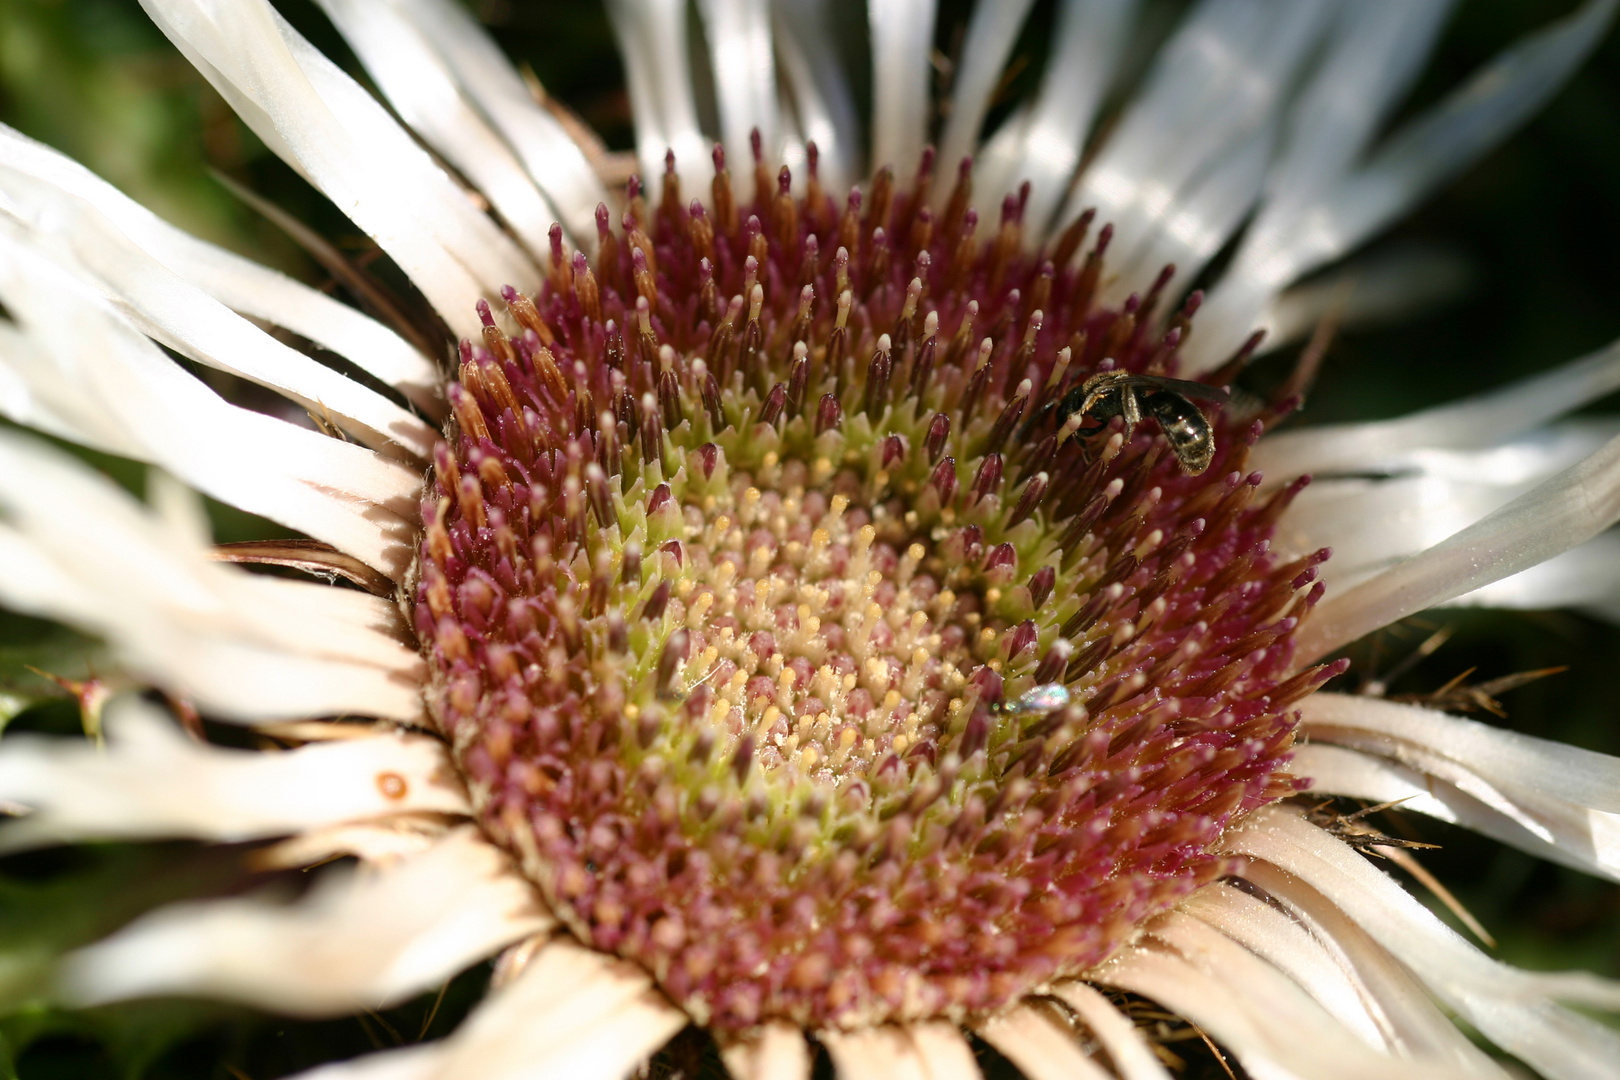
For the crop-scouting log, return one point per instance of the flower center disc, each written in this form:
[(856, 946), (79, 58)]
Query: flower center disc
[(800, 648)]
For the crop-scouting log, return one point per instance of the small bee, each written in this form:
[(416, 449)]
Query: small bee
[(1122, 393), (1048, 697)]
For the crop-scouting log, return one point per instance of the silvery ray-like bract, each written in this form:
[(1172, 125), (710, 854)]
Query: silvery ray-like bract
[(733, 600)]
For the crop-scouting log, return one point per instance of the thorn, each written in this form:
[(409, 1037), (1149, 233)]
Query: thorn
[(92, 694), (1408, 862)]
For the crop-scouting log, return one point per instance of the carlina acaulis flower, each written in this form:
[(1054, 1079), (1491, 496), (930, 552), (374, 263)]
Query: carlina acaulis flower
[(801, 646), (812, 619)]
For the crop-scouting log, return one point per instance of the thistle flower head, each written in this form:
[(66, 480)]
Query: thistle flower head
[(801, 647)]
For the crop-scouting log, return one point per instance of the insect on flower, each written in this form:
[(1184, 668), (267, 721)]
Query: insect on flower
[(1048, 697), (1124, 393)]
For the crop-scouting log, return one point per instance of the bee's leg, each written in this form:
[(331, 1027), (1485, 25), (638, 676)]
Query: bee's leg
[(1092, 403), (1131, 410)]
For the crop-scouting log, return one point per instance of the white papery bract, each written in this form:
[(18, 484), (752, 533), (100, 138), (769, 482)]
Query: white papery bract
[(381, 935), (1555, 801), (324, 125), (240, 284), (152, 780), (242, 646)]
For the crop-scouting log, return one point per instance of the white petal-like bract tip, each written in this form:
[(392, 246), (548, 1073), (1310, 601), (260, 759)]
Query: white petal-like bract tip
[(875, 1053), (1553, 800), (153, 781), (540, 141), (1293, 950), (1408, 502), (944, 1052), (1491, 419), (778, 1052), (239, 283), (1263, 1017), (241, 646), (359, 940), (902, 41), (658, 67), (426, 93), (1517, 1010), (187, 318), (570, 1013), (823, 104), (1324, 207), (744, 69), (988, 40), (1558, 514), (117, 391), (1119, 1035), (1039, 1042), (328, 128), (1214, 87)]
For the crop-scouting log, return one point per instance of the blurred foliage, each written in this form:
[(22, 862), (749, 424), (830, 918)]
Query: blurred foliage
[(1538, 220), (96, 79), (61, 898)]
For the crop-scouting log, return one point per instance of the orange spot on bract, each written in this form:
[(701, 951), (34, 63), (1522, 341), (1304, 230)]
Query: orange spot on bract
[(392, 785)]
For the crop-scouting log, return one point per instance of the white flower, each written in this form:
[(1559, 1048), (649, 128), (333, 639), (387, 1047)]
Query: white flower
[(944, 596)]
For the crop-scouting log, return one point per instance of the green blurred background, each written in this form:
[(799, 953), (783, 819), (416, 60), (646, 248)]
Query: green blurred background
[(1538, 222)]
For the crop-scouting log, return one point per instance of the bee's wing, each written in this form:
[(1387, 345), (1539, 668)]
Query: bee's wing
[(1201, 391)]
